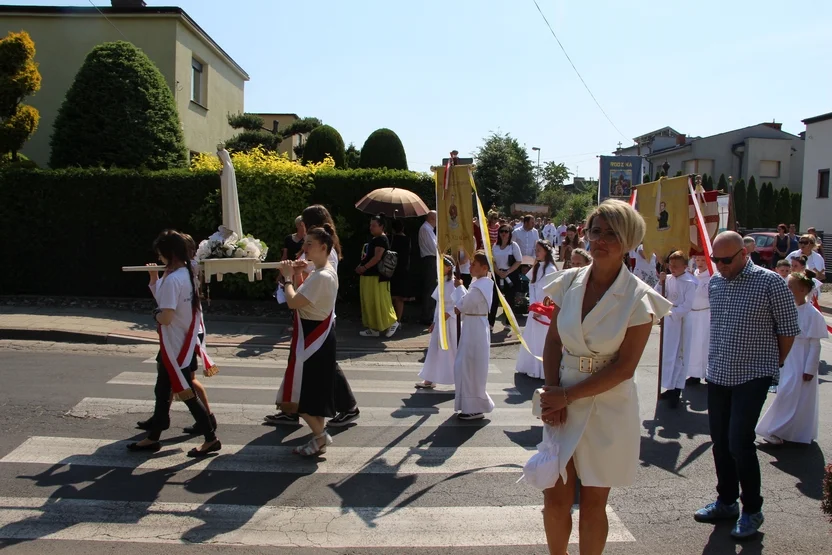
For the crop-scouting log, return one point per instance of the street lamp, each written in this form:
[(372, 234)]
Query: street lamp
[(538, 162)]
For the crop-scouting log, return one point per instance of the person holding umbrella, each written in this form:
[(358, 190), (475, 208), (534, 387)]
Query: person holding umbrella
[(377, 311)]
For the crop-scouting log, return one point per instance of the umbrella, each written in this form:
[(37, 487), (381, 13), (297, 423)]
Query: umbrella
[(228, 187), (392, 201)]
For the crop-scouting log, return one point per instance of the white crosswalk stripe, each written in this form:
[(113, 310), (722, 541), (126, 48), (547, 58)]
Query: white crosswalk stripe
[(365, 366)]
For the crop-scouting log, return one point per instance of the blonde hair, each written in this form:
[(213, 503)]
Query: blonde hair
[(627, 224), (678, 255)]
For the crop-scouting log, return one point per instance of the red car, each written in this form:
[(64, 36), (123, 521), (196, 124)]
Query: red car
[(765, 246)]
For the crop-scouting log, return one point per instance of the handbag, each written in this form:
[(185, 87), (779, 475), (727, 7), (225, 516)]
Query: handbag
[(389, 261)]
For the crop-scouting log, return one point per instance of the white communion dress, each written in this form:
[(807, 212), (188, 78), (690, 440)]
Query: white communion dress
[(537, 326), (697, 329), (793, 416), (439, 363), (601, 433), (471, 363)]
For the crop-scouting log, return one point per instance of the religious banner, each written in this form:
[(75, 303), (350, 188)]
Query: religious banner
[(664, 206), (618, 176), (454, 211), (709, 207)]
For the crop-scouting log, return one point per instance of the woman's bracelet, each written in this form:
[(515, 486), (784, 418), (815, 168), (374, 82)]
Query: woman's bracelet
[(566, 397)]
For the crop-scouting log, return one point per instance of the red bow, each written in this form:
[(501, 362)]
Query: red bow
[(543, 310)]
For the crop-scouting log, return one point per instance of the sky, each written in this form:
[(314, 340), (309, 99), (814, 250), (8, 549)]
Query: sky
[(445, 74)]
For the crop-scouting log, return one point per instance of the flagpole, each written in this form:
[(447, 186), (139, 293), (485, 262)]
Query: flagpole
[(661, 354)]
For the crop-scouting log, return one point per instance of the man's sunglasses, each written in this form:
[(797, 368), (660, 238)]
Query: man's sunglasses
[(805, 242), (725, 259)]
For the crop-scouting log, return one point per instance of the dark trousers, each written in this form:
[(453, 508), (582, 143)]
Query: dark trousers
[(733, 413), (508, 293), (161, 411), (428, 285)]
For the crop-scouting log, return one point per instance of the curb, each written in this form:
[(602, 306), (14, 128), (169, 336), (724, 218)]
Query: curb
[(97, 338)]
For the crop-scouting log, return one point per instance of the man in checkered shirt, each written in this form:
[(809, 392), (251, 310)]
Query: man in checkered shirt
[(753, 326)]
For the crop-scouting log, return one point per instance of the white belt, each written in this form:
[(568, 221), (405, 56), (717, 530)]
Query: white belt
[(586, 365)]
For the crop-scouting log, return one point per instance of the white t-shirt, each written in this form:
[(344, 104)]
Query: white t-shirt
[(175, 291), (427, 240), (464, 263), (501, 255), (526, 239), (321, 289), (814, 261), (561, 234)]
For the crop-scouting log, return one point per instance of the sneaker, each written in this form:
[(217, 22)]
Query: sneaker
[(369, 333), (392, 329), (282, 418), (343, 418), (747, 525), (471, 416), (772, 389), (717, 510)]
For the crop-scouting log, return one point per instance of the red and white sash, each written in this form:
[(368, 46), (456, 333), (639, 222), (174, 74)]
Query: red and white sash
[(177, 357), (301, 349)]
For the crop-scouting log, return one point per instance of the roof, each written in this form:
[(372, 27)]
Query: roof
[(818, 119), (271, 114), (656, 132), (111, 12), (785, 136)]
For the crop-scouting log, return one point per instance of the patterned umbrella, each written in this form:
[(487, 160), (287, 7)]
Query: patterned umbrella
[(392, 201)]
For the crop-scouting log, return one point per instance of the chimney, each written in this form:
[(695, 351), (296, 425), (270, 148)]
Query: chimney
[(773, 125), (128, 3), (275, 125), (681, 139)]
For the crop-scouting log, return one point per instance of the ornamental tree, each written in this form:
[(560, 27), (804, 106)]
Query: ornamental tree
[(324, 141), (19, 78), (383, 149), (752, 205), (118, 112), (253, 134)]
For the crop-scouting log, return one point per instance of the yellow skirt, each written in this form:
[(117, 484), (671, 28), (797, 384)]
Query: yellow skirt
[(377, 311)]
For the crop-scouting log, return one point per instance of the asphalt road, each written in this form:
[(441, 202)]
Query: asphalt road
[(407, 479)]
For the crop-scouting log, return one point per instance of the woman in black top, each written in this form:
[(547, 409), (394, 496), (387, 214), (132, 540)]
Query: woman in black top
[(293, 244), (377, 312), (400, 282), (781, 245)]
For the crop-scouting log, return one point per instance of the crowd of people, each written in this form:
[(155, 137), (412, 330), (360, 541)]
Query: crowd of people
[(602, 303)]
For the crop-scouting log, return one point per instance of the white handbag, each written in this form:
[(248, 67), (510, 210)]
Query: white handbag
[(537, 409)]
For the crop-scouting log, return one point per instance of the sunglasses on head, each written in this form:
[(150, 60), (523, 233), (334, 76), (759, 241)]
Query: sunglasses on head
[(725, 259)]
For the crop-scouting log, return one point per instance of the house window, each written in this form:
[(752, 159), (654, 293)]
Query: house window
[(823, 184), (769, 168), (699, 166), (197, 82)]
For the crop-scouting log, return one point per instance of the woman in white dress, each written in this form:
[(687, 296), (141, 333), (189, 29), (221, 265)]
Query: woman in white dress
[(537, 325), (645, 269), (472, 358), (603, 316), (439, 362), (697, 326), (793, 416)]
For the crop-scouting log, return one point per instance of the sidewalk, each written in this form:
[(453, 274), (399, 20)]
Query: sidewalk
[(90, 324)]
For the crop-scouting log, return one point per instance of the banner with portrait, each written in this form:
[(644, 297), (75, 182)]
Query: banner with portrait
[(664, 206), (454, 211), (618, 176)]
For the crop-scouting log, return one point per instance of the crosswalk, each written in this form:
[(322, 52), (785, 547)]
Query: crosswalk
[(407, 475)]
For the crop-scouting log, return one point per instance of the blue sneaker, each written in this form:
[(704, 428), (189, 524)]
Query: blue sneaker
[(747, 525), (717, 510)]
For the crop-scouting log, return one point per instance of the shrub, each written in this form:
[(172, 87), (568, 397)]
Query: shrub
[(383, 149), (119, 112), (826, 504), (767, 212), (722, 184), (324, 141), (740, 199), (7, 161), (752, 205), (783, 206), (19, 78), (796, 199)]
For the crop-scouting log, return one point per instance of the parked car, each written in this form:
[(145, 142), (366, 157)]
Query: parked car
[(765, 246)]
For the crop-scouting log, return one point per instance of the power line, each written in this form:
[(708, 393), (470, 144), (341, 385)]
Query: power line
[(108, 21), (576, 70)]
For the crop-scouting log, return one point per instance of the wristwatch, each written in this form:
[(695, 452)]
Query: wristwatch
[(154, 313)]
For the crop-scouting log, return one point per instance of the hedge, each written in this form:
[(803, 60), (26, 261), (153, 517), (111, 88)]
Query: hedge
[(74, 229)]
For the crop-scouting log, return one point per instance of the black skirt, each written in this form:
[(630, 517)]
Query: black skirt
[(317, 390)]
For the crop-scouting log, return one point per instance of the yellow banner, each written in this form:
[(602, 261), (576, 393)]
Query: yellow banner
[(454, 212), (664, 206)]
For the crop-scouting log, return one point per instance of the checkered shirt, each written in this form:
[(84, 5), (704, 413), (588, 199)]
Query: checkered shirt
[(747, 314)]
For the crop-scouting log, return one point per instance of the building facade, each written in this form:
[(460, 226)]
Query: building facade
[(276, 122), (207, 83), (816, 208)]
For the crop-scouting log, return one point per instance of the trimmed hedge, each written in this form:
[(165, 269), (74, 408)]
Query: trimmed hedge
[(383, 149), (324, 141)]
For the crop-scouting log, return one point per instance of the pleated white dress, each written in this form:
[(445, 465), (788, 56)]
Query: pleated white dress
[(439, 363), (793, 416), (472, 357), (602, 434), (537, 326), (697, 329)]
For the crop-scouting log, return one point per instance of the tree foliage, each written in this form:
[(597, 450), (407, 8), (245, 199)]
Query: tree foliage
[(768, 214), (118, 112), (740, 200), (303, 125), (253, 134), (383, 149), (19, 78), (352, 157), (796, 199), (504, 173), (324, 141), (710, 185), (553, 175), (752, 205), (783, 206), (722, 184)]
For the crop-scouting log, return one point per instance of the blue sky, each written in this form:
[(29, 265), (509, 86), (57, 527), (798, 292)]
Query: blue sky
[(444, 74)]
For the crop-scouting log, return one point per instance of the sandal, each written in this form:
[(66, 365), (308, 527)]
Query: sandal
[(150, 447), (196, 452), (311, 448), (423, 385)]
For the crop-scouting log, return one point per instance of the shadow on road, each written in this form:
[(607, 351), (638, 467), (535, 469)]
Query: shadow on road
[(804, 462), (672, 424)]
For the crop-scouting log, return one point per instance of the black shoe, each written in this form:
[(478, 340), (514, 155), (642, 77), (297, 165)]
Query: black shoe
[(667, 394), (282, 418), (150, 447), (194, 429), (149, 425), (196, 453), (693, 381), (343, 418), (673, 400)]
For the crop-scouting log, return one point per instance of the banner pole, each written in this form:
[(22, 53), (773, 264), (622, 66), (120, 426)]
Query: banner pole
[(661, 354)]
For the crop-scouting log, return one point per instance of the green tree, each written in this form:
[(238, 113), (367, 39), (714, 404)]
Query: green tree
[(504, 173), (576, 208), (324, 141), (722, 185), (301, 126), (120, 112), (740, 203), (555, 198), (766, 205), (253, 134), (704, 181), (19, 78), (752, 205), (645, 178), (678, 173), (659, 174), (383, 149), (784, 206), (352, 157), (709, 186), (553, 175), (796, 199)]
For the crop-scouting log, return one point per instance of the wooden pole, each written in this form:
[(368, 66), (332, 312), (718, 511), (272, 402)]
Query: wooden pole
[(661, 353)]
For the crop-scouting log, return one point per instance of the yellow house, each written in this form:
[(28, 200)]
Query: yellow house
[(276, 122), (208, 85)]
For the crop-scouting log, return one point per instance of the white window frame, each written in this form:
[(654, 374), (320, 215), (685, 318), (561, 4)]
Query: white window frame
[(198, 82), (763, 163)]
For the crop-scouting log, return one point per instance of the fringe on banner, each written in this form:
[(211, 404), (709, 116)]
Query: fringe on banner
[(704, 238)]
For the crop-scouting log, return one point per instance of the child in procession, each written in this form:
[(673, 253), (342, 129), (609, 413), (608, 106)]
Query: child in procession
[(680, 289), (472, 357), (793, 416), (697, 325), (783, 269), (537, 325), (439, 362), (798, 265)]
